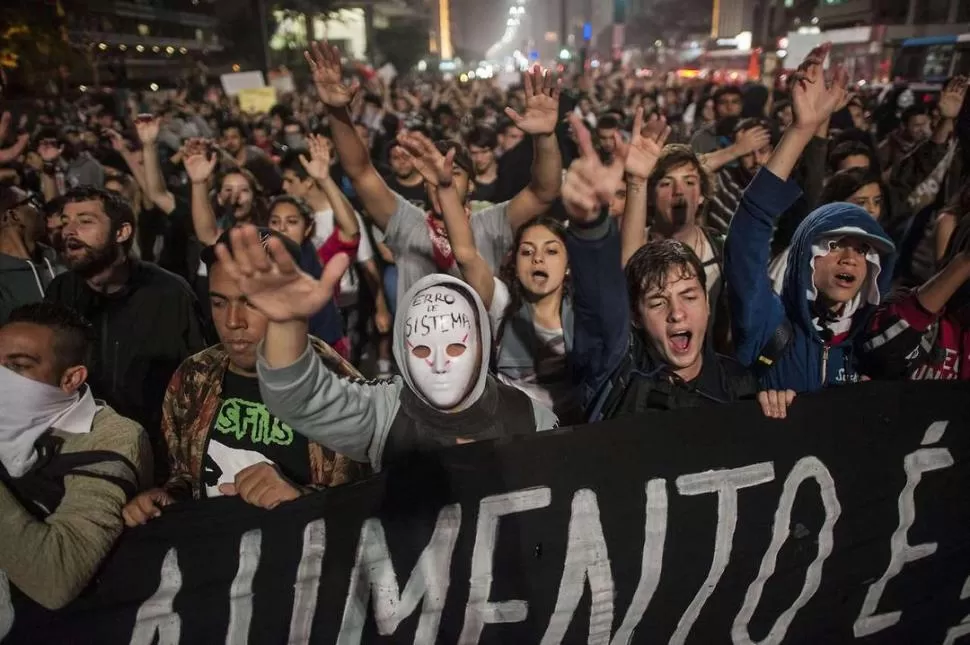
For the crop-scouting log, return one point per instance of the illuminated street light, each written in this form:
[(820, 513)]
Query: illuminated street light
[(156, 49), (153, 87), (140, 48), (123, 48), (564, 54), (169, 50)]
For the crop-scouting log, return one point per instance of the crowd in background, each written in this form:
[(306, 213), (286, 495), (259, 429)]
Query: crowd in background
[(193, 297)]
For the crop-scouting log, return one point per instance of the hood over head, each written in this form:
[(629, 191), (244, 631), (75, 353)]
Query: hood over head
[(403, 323), (835, 220)]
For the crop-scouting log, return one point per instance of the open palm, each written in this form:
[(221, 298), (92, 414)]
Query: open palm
[(951, 99), (199, 166), (541, 103), (646, 145), (270, 279), (435, 167), (812, 100), (324, 62), (318, 165)]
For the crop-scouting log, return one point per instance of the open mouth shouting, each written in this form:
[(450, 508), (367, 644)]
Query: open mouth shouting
[(845, 280), (680, 341), (540, 277)]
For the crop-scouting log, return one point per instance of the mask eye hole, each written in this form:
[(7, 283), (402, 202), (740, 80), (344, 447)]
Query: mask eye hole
[(455, 350), (421, 351)]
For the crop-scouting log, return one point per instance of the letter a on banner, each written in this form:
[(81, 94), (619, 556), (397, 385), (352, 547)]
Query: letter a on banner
[(373, 575), (806, 468), (157, 615)]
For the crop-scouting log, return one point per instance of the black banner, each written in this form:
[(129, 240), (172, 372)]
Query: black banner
[(849, 522)]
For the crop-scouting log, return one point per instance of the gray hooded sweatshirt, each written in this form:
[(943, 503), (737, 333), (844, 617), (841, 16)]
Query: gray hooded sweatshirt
[(354, 418), (24, 281)]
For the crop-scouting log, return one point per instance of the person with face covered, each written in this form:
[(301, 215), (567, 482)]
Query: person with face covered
[(530, 312), (418, 238), (663, 361), (68, 462), (443, 397), (146, 320), (839, 268), (924, 333)]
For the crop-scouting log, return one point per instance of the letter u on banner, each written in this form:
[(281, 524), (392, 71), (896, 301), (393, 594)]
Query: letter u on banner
[(807, 467)]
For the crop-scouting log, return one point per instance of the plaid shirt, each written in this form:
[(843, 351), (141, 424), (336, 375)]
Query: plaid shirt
[(193, 399)]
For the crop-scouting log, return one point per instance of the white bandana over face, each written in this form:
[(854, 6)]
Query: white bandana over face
[(441, 341), (28, 409)]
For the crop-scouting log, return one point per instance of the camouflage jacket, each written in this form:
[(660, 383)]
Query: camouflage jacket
[(193, 399)]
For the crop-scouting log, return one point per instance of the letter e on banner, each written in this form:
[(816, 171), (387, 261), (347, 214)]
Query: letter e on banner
[(807, 467), (479, 610), (915, 463)]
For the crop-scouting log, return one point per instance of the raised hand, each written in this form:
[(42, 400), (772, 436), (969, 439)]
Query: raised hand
[(199, 163), (541, 103), (117, 141), (318, 165), (147, 128), (272, 282), (589, 184), (646, 145), (752, 140), (324, 62), (436, 168), (951, 99), (814, 101)]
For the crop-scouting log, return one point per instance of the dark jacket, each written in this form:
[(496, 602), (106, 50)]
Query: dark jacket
[(807, 362), (142, 334), (609, 359), (25, 281)]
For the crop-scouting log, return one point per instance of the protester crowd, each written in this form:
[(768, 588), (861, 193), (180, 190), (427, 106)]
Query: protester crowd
[(192, 297)]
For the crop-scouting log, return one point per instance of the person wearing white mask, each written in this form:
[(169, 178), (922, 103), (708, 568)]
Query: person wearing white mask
[(68, 463), (443, 397)]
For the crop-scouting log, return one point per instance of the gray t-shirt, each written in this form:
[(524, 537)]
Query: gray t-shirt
[(408, 237)]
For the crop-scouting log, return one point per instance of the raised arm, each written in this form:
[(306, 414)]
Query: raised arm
[(437, 170), (296, 386), (200, 164), (147, 128), (540, 120), (641, 158), (602, 322), (318, 167), (378, 199), (756, 311), (746, 142)]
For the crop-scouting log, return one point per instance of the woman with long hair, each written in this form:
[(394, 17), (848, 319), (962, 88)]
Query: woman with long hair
[(528, 303)]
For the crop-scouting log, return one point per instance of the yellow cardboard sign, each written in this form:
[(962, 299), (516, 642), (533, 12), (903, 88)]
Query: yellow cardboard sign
[(257, 100)]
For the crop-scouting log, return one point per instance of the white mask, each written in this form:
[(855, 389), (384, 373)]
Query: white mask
[(442, 345)]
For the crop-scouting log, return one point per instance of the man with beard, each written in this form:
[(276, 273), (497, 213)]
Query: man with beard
[(27, 266), (404, 179), (418, 238), (146, 319)]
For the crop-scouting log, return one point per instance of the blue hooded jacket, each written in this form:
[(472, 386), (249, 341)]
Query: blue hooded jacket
[(757, 313)]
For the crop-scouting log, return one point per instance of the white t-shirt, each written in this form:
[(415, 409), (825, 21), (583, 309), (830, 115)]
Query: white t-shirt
[(322, 230), (549, 383)]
